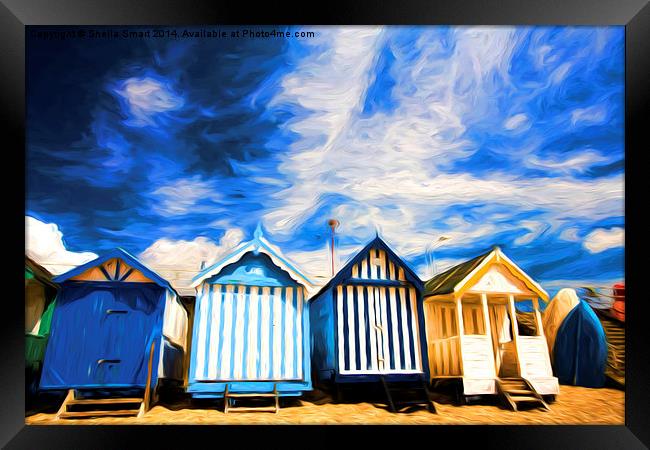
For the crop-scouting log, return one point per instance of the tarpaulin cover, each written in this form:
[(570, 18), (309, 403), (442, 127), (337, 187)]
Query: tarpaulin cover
[(558, 308), (580, 351)]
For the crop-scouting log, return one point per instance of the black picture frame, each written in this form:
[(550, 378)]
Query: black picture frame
[(634, 14)]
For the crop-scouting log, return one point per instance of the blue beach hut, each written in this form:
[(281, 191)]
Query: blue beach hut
[(580, 349), (367, 323), (251, 326), (118, 329)]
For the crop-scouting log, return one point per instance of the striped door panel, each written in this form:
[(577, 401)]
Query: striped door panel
[(249, 333), (378, 330)]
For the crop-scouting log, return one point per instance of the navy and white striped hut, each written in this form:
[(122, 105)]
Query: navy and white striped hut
[(367, 322), (251, 328)]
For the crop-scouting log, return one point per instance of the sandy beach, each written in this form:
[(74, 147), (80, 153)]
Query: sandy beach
[(574, 405)]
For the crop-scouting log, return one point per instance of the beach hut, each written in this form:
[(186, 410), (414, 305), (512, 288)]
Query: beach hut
[(367, 323), (562, 304), (40, 293), (118, 331), (580, 350), (473, 334), (251, 327)]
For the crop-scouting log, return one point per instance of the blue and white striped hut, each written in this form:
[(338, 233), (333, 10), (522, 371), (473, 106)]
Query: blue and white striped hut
[(251, 328), (367, 322)]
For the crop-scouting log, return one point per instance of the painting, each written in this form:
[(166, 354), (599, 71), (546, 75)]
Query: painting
[(325, 225)]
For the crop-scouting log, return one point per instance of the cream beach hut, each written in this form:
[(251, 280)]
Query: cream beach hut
[(473, 333)]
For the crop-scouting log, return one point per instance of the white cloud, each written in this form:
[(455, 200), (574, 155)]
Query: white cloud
[(577, 163), (515, 121), (147, 97), (178, 260), (44, 244), (181, 196), (593, 114), (570, 234), (391, 166), (602, 239)]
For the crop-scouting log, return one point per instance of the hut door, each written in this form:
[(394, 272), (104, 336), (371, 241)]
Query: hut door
[(505, 358), (378, 330), (128, 327)]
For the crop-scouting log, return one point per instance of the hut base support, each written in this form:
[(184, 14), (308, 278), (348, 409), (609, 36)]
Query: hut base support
[(73, 408), (408, 396)]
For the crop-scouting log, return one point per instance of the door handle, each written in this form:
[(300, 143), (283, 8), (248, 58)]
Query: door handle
[(116, 311), (111, 361)]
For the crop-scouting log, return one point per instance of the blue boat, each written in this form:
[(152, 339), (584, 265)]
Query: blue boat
[(580, 350)]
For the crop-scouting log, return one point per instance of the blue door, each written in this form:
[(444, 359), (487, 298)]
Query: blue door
[(101, 336)]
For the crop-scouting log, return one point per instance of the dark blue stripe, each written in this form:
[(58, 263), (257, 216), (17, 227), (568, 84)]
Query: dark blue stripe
[(357, 341), (126, 275), (389, 331), (400, 333), (346, 331), (108, 277), (411, 329), (117, 270), (366, 318)]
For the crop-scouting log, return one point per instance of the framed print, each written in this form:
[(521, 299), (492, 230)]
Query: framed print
[(412, 217)]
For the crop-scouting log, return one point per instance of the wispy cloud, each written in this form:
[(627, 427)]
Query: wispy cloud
[(44, 244)]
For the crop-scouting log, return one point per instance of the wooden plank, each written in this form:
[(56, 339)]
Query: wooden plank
[(79, 414), (488, 329), (64, 406), (104, 401), (147, 389), (459, 320)]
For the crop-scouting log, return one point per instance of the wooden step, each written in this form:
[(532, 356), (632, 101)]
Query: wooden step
[(80, 414), (265, 394), (522, 398), (518, 391), (103, 401), (252, 409)]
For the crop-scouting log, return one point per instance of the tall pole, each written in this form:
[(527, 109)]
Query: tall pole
[(333, 224)]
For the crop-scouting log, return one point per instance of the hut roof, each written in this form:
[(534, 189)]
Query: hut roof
[(377, 242), (120, 254), (258, 245), (456, 277)]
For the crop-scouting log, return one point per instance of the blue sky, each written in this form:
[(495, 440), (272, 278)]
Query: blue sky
[(176, 149)]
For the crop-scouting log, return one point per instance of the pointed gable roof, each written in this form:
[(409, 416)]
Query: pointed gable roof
[(258, 245), (455, 278), (121, 254), (378, 243)]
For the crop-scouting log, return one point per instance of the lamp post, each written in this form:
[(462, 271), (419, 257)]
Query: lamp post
[(432, 247), (333, 224)]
